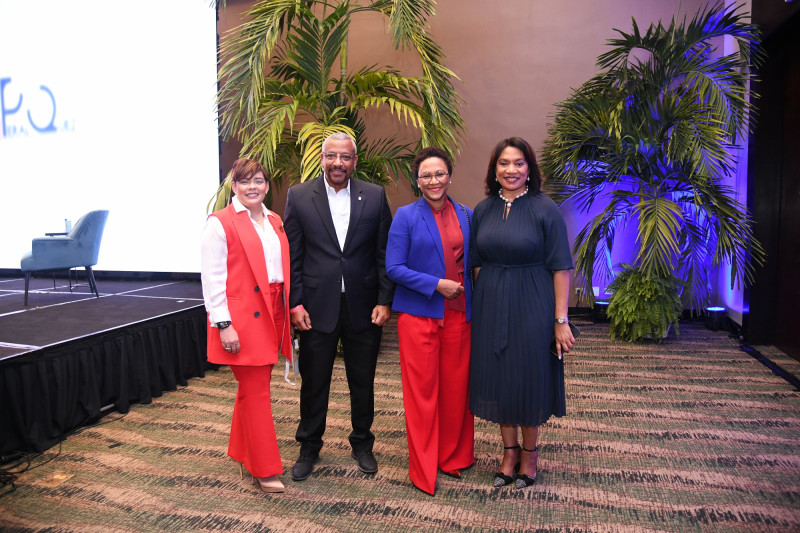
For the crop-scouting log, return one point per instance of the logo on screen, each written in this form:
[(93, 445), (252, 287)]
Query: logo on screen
[(25, 113)]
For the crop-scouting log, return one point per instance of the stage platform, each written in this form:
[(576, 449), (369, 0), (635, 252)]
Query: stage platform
[(69, 356)]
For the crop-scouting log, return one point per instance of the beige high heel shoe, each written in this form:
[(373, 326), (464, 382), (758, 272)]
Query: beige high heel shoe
[(271, 484)]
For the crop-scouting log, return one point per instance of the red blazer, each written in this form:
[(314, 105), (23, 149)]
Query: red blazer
[(247, 291)]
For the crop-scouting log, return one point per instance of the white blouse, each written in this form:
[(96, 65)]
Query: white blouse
[(214, 261)]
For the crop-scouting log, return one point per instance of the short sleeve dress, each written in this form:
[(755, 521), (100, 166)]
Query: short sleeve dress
[(514, 379)]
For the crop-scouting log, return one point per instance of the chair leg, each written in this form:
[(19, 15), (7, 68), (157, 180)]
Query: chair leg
[(27, 281), (92, 282)]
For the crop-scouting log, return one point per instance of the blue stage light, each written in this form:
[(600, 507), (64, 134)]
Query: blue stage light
[(715, 318), (599, 310)]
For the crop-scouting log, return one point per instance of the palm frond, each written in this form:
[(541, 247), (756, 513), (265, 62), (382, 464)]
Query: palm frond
[(660, 222), (408, 23), (244, 57), (277, 83), (383, 158), (651, 137)]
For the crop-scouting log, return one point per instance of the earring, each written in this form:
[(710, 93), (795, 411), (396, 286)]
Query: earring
[(528, 178)]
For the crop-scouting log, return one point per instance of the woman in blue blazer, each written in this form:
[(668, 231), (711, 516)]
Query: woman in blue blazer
[(427, 256)]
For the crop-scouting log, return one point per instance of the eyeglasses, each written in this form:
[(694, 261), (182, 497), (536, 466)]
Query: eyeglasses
[(440, 176), (256, 181), (331, 157)]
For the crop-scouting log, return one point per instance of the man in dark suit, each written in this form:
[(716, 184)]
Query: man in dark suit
[(337, 228)]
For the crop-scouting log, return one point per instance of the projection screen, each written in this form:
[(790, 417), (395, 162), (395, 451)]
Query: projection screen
[(109, 104)]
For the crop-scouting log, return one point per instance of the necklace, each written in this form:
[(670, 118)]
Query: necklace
[(509, 202)]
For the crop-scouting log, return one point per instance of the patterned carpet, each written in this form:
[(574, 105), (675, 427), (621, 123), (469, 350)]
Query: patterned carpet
[(689, 435)]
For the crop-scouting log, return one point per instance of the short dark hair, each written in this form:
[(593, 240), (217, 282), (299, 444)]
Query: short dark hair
[(247, 168), (535, 183), (427, 153)]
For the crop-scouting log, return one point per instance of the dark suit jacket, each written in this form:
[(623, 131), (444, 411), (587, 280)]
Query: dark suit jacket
[(318, 263)]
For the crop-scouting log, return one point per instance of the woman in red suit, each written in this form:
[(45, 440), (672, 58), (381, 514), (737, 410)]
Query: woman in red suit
[(427, 256), (244, 270)]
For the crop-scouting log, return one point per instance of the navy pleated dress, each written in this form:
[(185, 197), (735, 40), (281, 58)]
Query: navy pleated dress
[(514, 379)]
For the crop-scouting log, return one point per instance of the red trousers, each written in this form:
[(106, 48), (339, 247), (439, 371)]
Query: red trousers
[(253, 440), (434, 362)]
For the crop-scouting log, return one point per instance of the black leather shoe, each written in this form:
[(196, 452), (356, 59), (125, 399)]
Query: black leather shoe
[(366, 461), (303, 467)]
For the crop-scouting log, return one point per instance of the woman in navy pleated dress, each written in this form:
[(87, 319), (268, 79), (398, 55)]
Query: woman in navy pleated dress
[(520, 301)]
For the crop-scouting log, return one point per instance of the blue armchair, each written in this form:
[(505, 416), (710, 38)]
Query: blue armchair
[(63, 252)]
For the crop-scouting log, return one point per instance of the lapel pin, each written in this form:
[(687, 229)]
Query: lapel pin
[(359, 198), (281, 228)]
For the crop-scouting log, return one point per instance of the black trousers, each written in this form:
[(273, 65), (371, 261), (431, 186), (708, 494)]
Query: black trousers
[(317, 355)]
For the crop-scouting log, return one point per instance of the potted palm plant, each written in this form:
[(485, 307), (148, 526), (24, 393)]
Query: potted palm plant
[(648, 141), (281, 92)]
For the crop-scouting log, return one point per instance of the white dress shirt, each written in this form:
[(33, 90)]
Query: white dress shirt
[(214, 261), (339, 203)]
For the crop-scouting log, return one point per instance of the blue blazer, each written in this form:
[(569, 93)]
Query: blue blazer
[(415, 260)]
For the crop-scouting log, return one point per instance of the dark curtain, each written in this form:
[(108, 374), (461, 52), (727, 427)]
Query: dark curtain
[(48, 393)]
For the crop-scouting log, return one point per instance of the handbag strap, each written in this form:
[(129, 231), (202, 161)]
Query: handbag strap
[(471, 243)]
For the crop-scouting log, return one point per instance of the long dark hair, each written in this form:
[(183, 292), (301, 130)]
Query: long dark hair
[(535, 183)]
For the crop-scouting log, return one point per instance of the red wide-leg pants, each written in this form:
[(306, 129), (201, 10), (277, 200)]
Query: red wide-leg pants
[(434, 362), (253, 440)]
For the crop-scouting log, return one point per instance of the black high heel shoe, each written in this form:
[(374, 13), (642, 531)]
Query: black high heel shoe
[(501, 479), (524, 480)]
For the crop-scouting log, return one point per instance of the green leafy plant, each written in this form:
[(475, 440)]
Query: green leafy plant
[(649, 141), (642, 306), (281, 95)]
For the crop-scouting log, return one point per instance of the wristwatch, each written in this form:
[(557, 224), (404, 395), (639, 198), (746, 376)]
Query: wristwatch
[(561, 320), (223, 325)]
